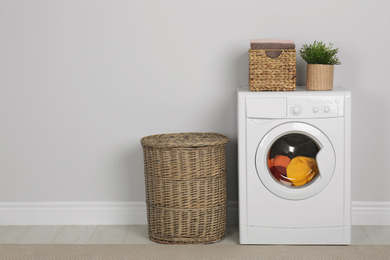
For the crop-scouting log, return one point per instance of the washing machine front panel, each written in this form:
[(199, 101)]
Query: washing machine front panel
[(298, 171), (323, 209)]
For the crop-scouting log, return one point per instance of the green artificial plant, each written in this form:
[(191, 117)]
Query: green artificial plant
[(319, 53)]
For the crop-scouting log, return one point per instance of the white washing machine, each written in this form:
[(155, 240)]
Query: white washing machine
[(294, 166)]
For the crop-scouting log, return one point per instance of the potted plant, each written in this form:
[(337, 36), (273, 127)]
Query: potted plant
[(320, 65)]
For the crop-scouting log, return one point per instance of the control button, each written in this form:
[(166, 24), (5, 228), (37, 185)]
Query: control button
[(337, 101), (326, 109), (315, 109), (330, 102)]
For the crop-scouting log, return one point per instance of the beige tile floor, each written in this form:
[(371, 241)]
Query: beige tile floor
[(137, 234)]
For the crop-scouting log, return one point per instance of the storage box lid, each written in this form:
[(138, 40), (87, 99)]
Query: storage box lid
[(260, 44)]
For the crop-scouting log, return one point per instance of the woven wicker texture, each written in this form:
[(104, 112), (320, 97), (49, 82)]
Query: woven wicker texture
[(184, 140), (272, 74), (319, 77), (185, 178)]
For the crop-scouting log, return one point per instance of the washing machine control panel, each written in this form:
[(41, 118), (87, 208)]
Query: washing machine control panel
[(313, 107)]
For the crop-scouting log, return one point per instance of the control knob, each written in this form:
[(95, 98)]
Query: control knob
[(296, 110)]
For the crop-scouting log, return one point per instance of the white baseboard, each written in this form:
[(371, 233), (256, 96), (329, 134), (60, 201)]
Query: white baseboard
[(371, 213), (72, 213), (134, 213), (82, 213)]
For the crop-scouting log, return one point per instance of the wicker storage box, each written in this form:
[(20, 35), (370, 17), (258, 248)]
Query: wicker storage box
[(185, 179), (272, 68)]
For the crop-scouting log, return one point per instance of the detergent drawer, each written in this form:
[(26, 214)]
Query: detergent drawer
[(266, 107)]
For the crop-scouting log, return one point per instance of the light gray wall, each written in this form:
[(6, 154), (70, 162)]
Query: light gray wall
[(82, 81)]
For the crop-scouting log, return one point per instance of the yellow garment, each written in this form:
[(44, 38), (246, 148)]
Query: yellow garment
[(302, 170)]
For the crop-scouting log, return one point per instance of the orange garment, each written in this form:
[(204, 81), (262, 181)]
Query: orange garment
[(278, 166), (281, 160), (271, 162), (301, 170)]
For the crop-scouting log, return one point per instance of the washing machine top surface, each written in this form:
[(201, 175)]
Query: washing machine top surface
[(294, 104), (300, 91)]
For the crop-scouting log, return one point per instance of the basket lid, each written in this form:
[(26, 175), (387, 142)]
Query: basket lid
[(184, 140), (260, 44)]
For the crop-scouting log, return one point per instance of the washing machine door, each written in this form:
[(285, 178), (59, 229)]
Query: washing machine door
[(295, 160)]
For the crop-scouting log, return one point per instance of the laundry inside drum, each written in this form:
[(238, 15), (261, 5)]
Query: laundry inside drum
[(292, 160)]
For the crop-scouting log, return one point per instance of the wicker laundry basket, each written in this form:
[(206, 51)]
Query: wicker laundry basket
[(185, 179)]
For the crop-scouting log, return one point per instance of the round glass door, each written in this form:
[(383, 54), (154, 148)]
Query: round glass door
[(292, 160), (295, 160)]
